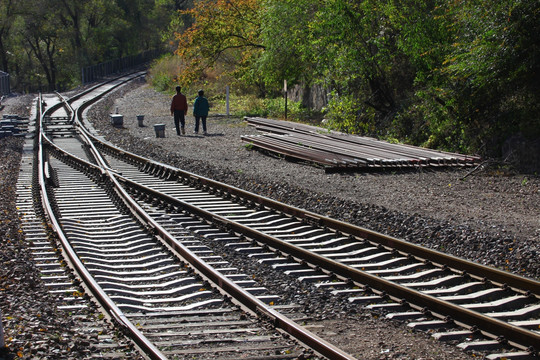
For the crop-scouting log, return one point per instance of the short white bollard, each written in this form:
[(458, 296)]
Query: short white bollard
[(140, 119), (160, 130)]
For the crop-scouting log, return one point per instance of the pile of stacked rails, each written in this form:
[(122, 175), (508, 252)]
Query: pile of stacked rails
[(335, 150), (13, 125)]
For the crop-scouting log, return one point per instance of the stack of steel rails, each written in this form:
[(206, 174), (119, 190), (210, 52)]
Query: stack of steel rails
[(335, 150)]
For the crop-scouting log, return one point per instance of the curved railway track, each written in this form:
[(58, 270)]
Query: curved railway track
[(118, 249), (147, 240)]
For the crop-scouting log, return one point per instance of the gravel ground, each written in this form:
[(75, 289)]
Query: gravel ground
[(491, 216)]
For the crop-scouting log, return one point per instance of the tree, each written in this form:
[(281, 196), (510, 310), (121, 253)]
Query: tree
[(41, 38), (48, 41), (224, 30), (482, 86), (285, 33), (356, 51), (7, 17)]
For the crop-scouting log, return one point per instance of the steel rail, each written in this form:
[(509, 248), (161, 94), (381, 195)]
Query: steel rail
[(88, 279), (303, 153), (488, 325), (129, 77), (293, 148), (475, 269), (334, 144), (316, 150), (400, 149), (338, 149), (284, 127), (230, 287), (251, 302), (75, 118), (338, 144), (80, 268), (370, 147), (458, 313)]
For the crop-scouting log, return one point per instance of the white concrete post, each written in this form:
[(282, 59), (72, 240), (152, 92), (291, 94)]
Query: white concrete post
[(285, 94)]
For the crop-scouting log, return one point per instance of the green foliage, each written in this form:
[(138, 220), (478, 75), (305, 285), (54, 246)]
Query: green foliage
[(241, 105), (456, 75), (223, 30), (268, 107), (459, 75), (162, 73), (343, 114), (484, 88), (285, 35), (44, 43)]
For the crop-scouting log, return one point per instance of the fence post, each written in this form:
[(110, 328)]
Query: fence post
[(227, 100), (2, 342), (285, 93)]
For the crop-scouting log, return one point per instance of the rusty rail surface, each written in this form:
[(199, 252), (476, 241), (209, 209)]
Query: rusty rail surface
[(398, 292), (375, 154), (74, 260), (335, 150), (527, 286), (248, 300)]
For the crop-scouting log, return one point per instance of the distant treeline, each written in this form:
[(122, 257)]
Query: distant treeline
[(458, 75), (44, 44)]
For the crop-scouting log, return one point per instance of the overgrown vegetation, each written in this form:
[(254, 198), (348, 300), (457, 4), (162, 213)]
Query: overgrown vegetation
[(45, 43), (454, 75), (166, 73)]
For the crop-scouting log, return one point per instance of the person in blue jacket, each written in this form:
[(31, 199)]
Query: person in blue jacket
[(200, 111)]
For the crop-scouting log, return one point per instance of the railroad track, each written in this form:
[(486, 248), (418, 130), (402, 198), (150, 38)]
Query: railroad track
[(150, 239), (169, 305)]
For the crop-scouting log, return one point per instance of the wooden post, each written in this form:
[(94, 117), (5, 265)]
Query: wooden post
[(285, 93), (2, 342)]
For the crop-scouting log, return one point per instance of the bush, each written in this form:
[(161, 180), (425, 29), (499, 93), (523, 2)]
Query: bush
[(163, 74), (344, 113)]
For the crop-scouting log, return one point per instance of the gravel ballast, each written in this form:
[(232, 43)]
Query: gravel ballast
[(491, 216)]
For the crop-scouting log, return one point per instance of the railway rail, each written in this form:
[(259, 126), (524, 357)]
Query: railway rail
[(125, 268), (144, 237), (335, 151)]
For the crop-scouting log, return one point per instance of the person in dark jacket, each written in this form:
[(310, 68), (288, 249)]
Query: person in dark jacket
[(179, 108), (200, 111)]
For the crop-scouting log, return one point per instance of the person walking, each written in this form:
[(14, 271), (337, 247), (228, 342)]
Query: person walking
[(179, 108), (200, 111)]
